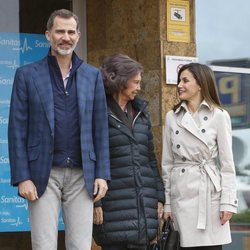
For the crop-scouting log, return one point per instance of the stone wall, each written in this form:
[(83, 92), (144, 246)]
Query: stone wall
[(138, 29)]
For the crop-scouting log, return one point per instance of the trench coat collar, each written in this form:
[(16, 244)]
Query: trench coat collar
[(184, 106), (185, 120)]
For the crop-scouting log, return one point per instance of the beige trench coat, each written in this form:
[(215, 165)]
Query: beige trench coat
[(199, 174)]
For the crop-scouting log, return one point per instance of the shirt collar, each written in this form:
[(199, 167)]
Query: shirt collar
[(67, 76)]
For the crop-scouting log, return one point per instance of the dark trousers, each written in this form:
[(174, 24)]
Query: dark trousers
[(118, 247), (202, 248), (114, 247)]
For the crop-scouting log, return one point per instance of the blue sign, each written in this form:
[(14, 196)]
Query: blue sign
[(16, 49), (233, 88)]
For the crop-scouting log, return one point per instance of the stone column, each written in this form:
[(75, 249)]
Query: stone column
[(139, 29)]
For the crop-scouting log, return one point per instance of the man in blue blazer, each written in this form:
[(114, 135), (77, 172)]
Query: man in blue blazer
[(58, 138)]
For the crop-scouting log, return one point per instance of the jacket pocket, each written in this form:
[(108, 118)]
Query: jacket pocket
[(33, 153)]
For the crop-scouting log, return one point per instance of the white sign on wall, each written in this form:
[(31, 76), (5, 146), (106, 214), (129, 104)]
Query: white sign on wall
[(173, 64)]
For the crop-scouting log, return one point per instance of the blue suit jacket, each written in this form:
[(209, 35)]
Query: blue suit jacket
[(31, 125)]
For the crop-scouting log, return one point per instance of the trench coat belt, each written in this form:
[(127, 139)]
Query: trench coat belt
[(206, 172)]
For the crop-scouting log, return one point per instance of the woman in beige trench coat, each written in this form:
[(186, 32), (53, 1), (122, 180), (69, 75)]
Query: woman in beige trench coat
[(197, 162)]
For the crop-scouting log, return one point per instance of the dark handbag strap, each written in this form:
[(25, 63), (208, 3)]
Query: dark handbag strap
[(167, 227)]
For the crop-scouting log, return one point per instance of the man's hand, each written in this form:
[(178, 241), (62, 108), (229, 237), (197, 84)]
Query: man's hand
[(100, 189), (27, 190), (98, 215)]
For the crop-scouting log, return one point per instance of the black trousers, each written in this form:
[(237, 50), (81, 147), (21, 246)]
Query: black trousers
[(114, 247), (118, 247), (202, 248)]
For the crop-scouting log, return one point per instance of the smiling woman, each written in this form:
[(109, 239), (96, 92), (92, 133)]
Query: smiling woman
[(197, 159), (127, 217)]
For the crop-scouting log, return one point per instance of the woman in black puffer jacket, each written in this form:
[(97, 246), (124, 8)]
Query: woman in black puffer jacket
[(127, 217)]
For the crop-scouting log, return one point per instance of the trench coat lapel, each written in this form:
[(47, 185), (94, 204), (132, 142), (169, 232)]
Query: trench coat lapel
[(187, 122)]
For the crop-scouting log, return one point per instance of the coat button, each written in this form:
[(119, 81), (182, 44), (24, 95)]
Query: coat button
[(177, 132), (203, 130), (178, 145), (183, 170), (205, 118), (235, 202), (184, 158)]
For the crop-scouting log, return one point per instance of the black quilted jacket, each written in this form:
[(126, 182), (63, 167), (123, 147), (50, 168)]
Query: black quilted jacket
[(130, 205)]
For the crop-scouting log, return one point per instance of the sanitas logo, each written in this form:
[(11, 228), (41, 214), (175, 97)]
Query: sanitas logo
[(39, 44), (4, 213), (13, 65), (14, 199), (4, 181), (24, 205), (5, 102), (3, 120), (4, 81), (23, 48), (12, 221), (5, 62), (3, 141), (4, 160), (10, 64), (9, 42)]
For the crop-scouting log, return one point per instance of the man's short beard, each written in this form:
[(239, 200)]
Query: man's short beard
[(64, 52)]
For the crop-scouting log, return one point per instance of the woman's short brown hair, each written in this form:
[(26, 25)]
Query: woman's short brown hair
[(117, 70)]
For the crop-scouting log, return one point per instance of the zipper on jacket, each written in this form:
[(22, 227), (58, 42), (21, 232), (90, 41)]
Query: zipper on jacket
[(116, 118), (140, 111), (133, 123)]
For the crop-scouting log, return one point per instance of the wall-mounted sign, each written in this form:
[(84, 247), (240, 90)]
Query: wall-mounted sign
[(178, 21), (173, 64)]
